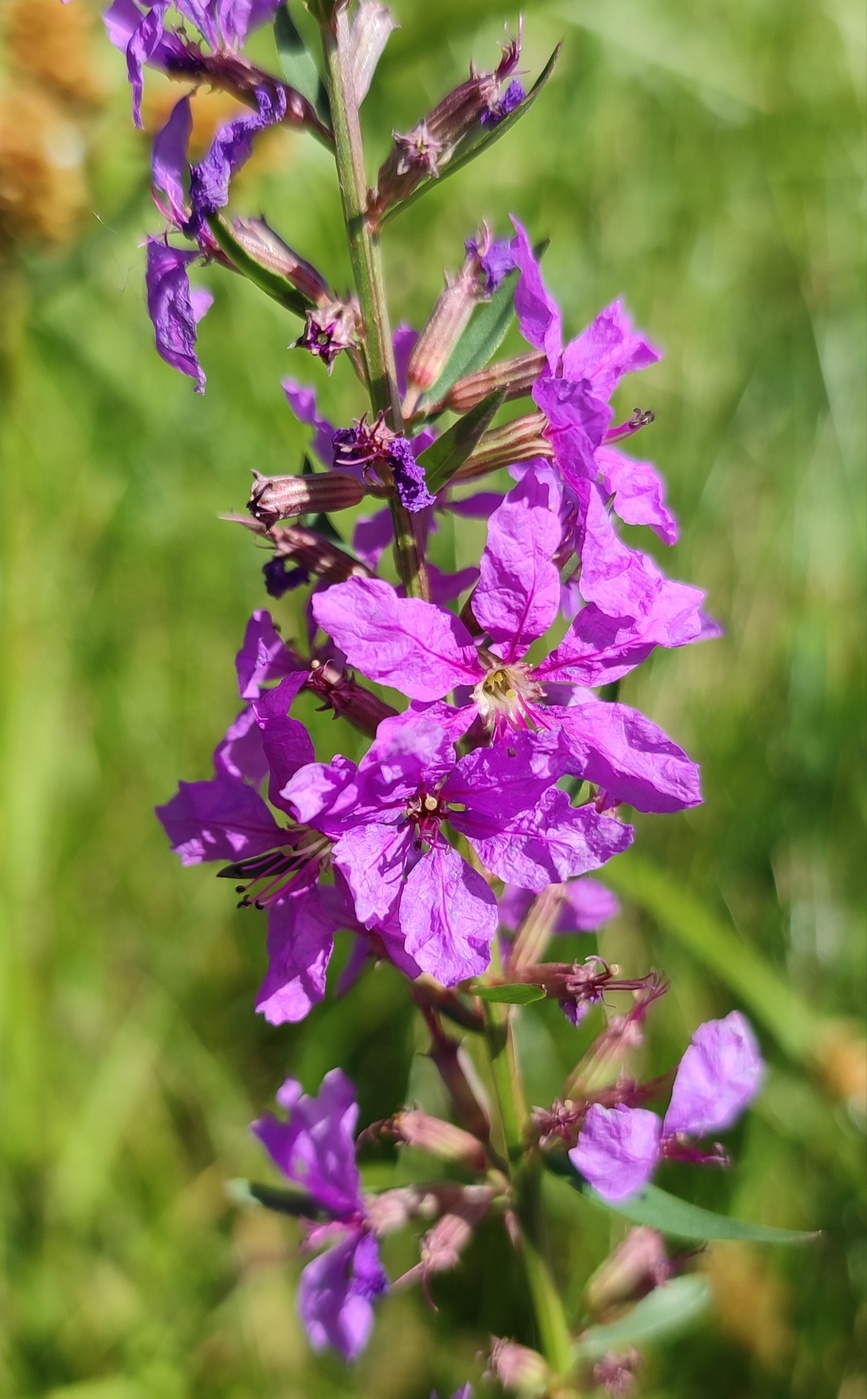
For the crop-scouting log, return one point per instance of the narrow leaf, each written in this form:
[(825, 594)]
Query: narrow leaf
[(479, 140), (294, 1202), (298, 64), (443, 457), (482, 339), (716, 945), (518, 995), (659, 1210), (662, 1313), (264, 278)]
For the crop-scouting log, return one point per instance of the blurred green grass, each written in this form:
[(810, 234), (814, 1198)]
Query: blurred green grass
[(708, 165)]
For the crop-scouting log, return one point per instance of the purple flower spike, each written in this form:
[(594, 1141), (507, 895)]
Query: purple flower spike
[(719, 1075), (316, 1150), (617, 1150)]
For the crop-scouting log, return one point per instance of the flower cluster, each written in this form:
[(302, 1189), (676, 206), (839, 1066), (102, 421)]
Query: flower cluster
[(500, 766)]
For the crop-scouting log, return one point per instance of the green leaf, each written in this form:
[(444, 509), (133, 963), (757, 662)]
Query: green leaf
[(659, 1210), (481, 138), (662, 1313), (264, 278), (443, 457), (715, 944), (295, 1202), (518, 995), (298, 64)]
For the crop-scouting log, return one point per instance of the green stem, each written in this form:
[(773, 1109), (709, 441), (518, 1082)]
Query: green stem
[(526, 1173), (366, 256)]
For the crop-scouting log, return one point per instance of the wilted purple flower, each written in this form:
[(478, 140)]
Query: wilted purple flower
[(316, 1150), (175, 308), (384, 456), (387, 820), (426, 652), (719, 1075)]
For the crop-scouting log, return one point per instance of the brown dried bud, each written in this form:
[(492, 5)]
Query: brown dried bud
[(283, 497), (442, 1139), (517, 1368), (513, 377), (267, 248), (520, 440), (348, 699), (316, 554), (636, 1267)]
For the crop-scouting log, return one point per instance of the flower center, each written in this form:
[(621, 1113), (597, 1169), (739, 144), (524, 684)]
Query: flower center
[(264, 877), (506, 697), (425, 811)]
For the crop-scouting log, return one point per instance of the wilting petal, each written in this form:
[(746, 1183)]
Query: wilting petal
[(719, 1075), (231, 148), (238, 18), (606, 350), (224, 819), (547, 844), (618, 1149), (301, 927), (639, 492), (419, 649), (537, 311), (448, 915), (518, 596), (175, 313), (628, 756)]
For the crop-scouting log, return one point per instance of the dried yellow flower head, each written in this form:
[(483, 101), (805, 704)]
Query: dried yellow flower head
[(42, 185), (53, 45)]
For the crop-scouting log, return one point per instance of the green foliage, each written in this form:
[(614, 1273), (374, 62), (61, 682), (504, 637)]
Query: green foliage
[(704, 162)]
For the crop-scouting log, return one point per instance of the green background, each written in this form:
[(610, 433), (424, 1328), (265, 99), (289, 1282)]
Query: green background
[(706, 162)]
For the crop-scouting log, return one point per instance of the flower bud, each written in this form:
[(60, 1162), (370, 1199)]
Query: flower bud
[(636, 1267), (440, 1138), (443, 1245), (330, 329), (320, 556), (532, 937), (267, 248), (369, 31), (348, 699), (513, 377), (448, 321), (520, 440), (281, 497), (518, 1369), (615, 1372)]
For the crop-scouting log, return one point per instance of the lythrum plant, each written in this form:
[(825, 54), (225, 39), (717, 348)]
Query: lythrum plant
[(500, 762)]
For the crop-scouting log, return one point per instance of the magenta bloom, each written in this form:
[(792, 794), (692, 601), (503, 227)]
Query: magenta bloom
[(719, 1075), (426, 652), (574, 395), (388, 821), (316, 1150)]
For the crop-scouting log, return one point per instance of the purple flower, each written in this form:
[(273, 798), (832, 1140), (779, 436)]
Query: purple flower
[(575, 394), (316, 1150), (719, 1075), (387, 819), (511, 98), (426, 652), (495, 260), (586, 905)]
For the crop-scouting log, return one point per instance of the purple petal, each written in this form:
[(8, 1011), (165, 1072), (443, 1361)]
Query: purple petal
[(336, 1292), (169, 161), (323, 794), (264, 656), (302, 401), (448, 914), (480, 506), (316, 1147), (287, 744), (496, 783), (606, 350), (223, 819), (418, 648), (548, 844), (618, 1149), (231, 148), (144, 44), (404, 343), (578, 421), (639, 492), (537, 311), (201, 14), (372, 537), (445, 587), (238, 18), (598, 649), (373, 861), (719, 1075), (518, 596), (301, 929), (240, 753), (172, 309), (586, 905), (628, 756)]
